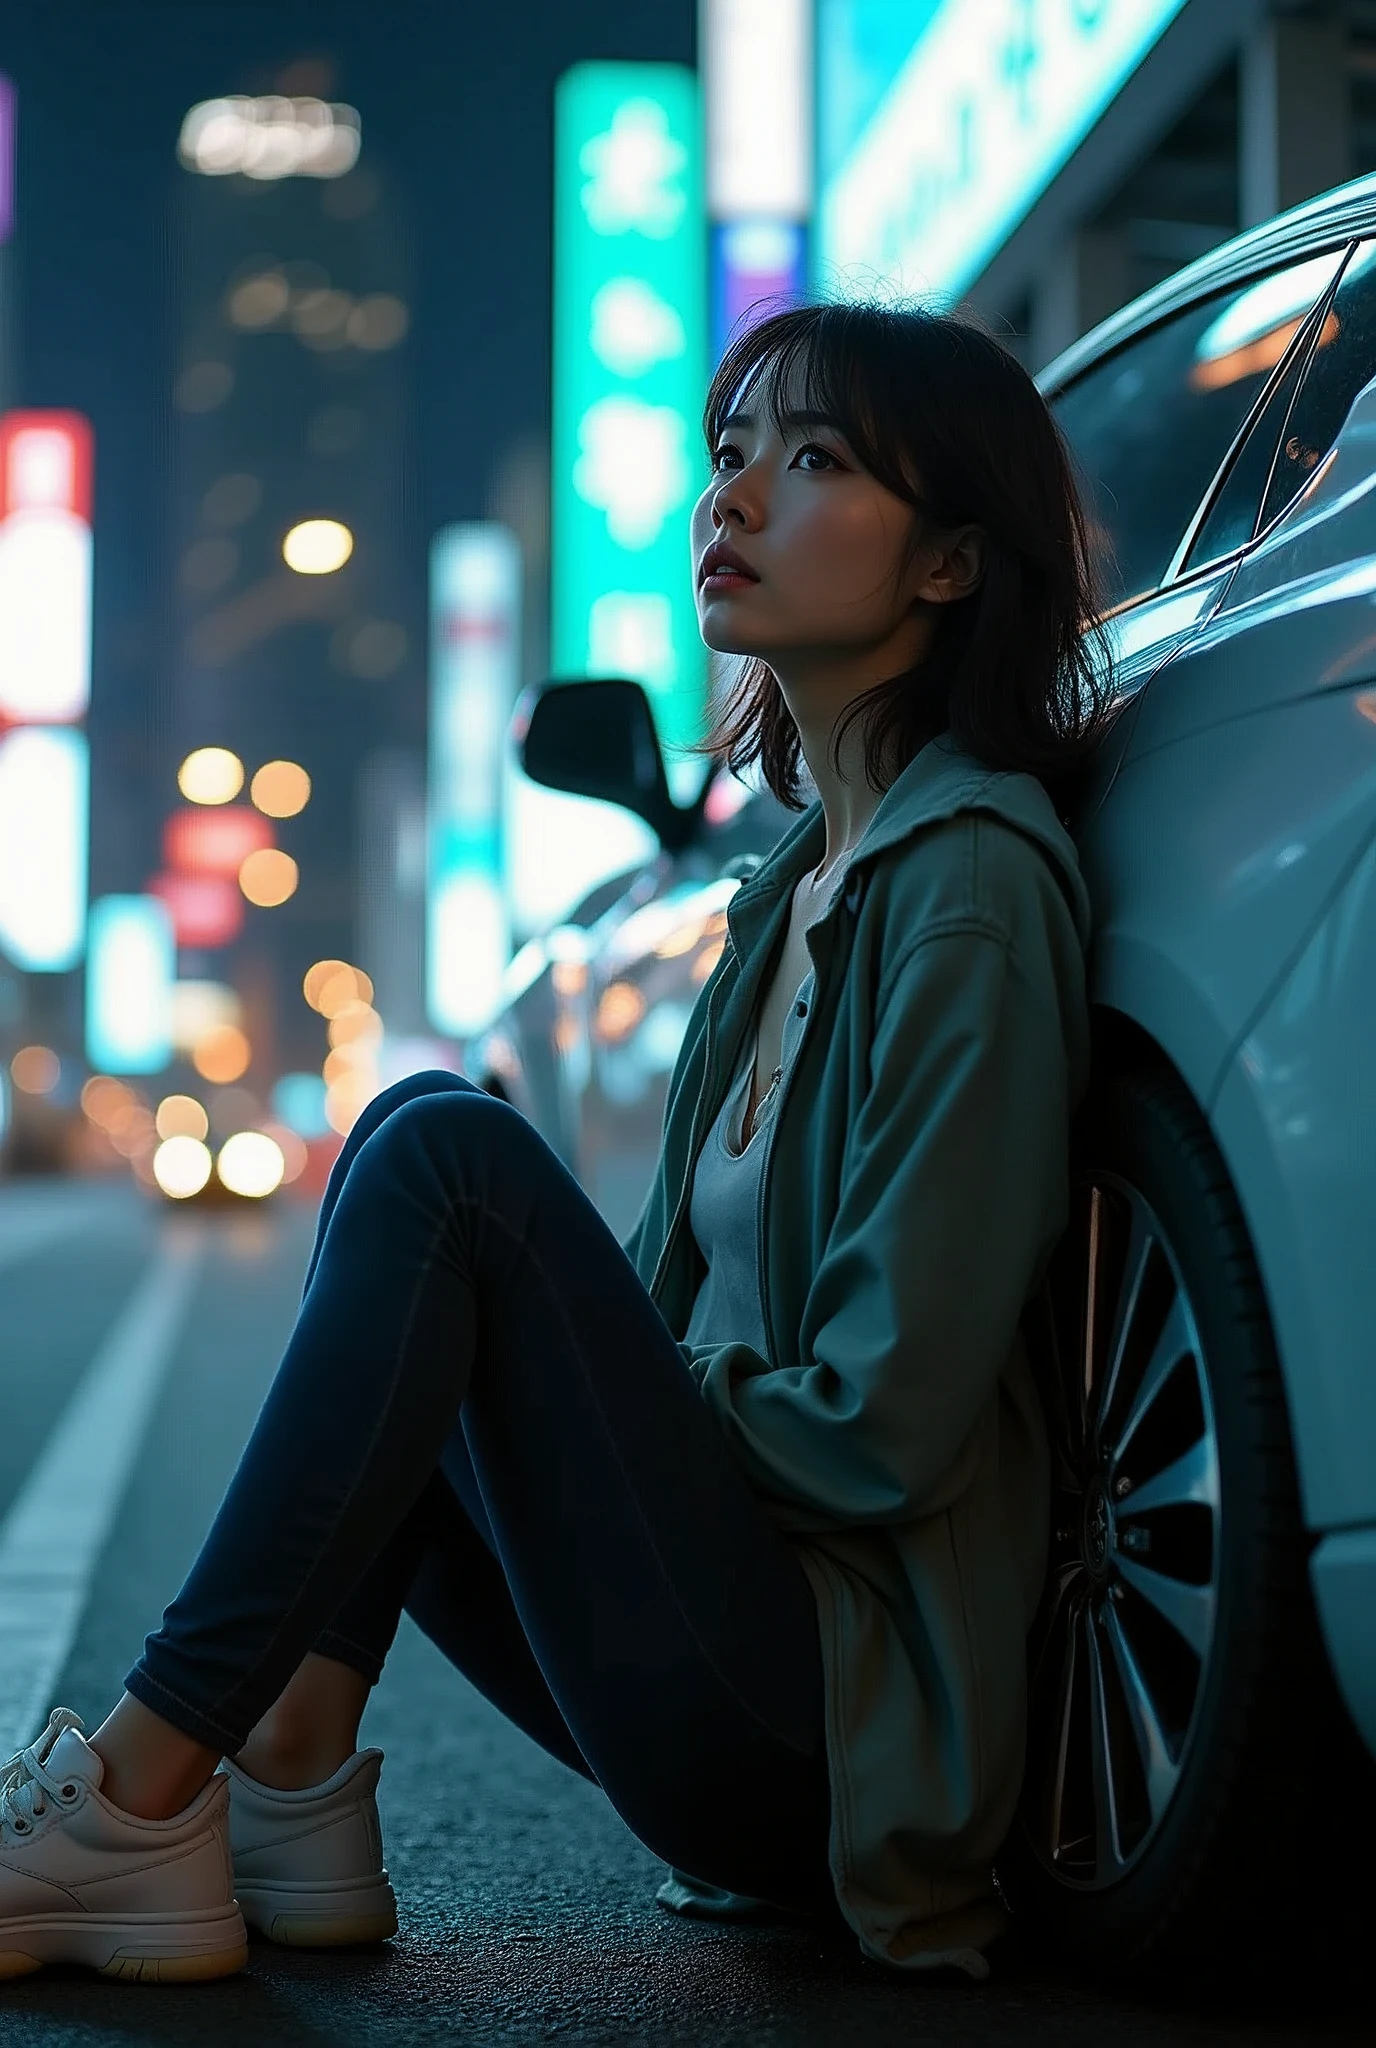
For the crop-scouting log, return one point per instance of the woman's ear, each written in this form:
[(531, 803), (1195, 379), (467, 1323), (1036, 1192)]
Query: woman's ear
[(954, 566)]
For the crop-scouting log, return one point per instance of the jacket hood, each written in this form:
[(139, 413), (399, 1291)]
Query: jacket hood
[(939, 782)]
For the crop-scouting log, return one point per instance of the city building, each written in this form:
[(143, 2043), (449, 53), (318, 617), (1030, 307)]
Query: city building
[(291, 305), (1047, 164)]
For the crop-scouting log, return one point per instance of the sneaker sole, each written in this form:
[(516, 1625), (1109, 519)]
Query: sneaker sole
[(348, 1912), (179, 1948)]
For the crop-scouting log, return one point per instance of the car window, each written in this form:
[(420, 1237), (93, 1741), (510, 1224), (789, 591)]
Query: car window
[(1233, 516), (1344, 359), (1151, 425)]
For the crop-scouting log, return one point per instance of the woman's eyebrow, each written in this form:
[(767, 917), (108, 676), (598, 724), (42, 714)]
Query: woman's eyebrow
[(746, 420)]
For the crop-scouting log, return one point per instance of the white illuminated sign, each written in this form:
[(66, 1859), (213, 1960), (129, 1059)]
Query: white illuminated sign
[(45, 567), (756, 61), (131, 964), (633, 328), (633, 466), (45, 616), (987, 108), (475, 601), (44, 775)]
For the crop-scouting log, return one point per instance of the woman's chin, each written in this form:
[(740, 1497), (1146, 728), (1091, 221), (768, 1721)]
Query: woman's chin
[(716, 632)]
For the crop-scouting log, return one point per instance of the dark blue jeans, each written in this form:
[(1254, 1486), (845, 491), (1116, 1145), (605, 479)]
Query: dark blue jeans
[(482, 1418)]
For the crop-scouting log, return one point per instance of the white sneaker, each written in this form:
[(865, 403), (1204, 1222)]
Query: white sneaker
[(308, 1865), (83, 1882)]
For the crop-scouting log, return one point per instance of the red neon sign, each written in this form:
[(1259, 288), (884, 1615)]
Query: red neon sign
[(206, 909), (45, 463), (214, 842)]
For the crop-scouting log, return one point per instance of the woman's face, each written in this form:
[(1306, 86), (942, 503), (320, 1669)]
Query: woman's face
[(820, 547)]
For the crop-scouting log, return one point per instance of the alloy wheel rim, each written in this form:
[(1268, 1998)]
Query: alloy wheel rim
[(1123, 1644)]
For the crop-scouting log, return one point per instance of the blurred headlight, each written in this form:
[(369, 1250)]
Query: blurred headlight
[(251, 1163), (181, 1167)]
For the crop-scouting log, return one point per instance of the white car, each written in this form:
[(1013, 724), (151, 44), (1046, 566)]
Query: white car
[(1208, 1339), (1207, 1336)]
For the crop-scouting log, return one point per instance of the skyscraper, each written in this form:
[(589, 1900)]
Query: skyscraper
[(292, 303)]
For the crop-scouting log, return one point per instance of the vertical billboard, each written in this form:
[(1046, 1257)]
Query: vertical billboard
[(131, 966), (45, 567), (44, 798), (984, 109), (475, 609), (757, 82), (629, 381)]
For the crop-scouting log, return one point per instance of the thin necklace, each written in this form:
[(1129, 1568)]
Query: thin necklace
[(838, 867)]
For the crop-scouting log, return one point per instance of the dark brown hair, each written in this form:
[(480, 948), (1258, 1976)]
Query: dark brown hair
[(942, 415)]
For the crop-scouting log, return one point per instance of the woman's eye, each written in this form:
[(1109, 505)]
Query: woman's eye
[(825, 458), (722, 453)]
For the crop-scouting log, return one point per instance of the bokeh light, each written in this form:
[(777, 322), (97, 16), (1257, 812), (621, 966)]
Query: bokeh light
[(378, 321), (319, 975), (131, 1129), (269, 877), (280, 789), (181, 1167), (347, 1098), (356, 1020), (181, 1116), (317, 547), (260, 299), (330, 984), (36, 1069), (251, 1163), (212, 775), (232, 499), (292, 1147), (222, 1055), (344, 1061), (618, 1013), (198, 1006), (102, 1097)]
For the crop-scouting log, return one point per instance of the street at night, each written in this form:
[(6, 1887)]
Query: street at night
[(527, 1909), (687, 941)]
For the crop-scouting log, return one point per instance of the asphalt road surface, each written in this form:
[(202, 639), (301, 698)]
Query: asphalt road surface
[(527, 1909)]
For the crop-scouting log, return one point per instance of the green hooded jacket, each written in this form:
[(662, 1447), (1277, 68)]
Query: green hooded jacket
[(916, 1184)]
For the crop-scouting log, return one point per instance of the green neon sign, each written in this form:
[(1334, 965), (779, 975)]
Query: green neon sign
[(630, 366)]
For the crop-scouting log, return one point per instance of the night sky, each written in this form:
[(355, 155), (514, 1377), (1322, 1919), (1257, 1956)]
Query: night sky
[(455, 100)]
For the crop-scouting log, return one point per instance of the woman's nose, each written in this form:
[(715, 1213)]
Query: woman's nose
[(728, 509)]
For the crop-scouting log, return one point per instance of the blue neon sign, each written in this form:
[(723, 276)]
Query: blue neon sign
[(992, 99)]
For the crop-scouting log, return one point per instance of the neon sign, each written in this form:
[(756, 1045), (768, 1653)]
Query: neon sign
[(993, 98)]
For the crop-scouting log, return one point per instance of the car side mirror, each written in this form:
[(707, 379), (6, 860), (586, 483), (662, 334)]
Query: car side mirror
[(596, 737)]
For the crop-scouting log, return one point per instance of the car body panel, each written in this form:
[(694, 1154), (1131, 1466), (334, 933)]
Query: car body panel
[(1195, 925), (1342, 1572), (1295, 1119)]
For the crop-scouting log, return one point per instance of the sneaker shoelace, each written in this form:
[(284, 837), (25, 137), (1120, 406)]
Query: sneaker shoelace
[(26, 1783)]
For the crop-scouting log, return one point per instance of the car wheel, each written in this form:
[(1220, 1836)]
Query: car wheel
[(1175, 1674)]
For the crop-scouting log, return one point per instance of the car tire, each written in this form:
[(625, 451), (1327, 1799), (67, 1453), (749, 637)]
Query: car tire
[(1178, 1690)]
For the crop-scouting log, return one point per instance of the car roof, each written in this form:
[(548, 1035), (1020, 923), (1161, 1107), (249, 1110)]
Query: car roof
[(1326, 222)]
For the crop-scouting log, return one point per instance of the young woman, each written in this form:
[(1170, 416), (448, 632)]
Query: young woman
[(745, 1520)]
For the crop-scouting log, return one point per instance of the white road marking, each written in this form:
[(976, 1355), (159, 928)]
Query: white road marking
[(56, 1528)]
